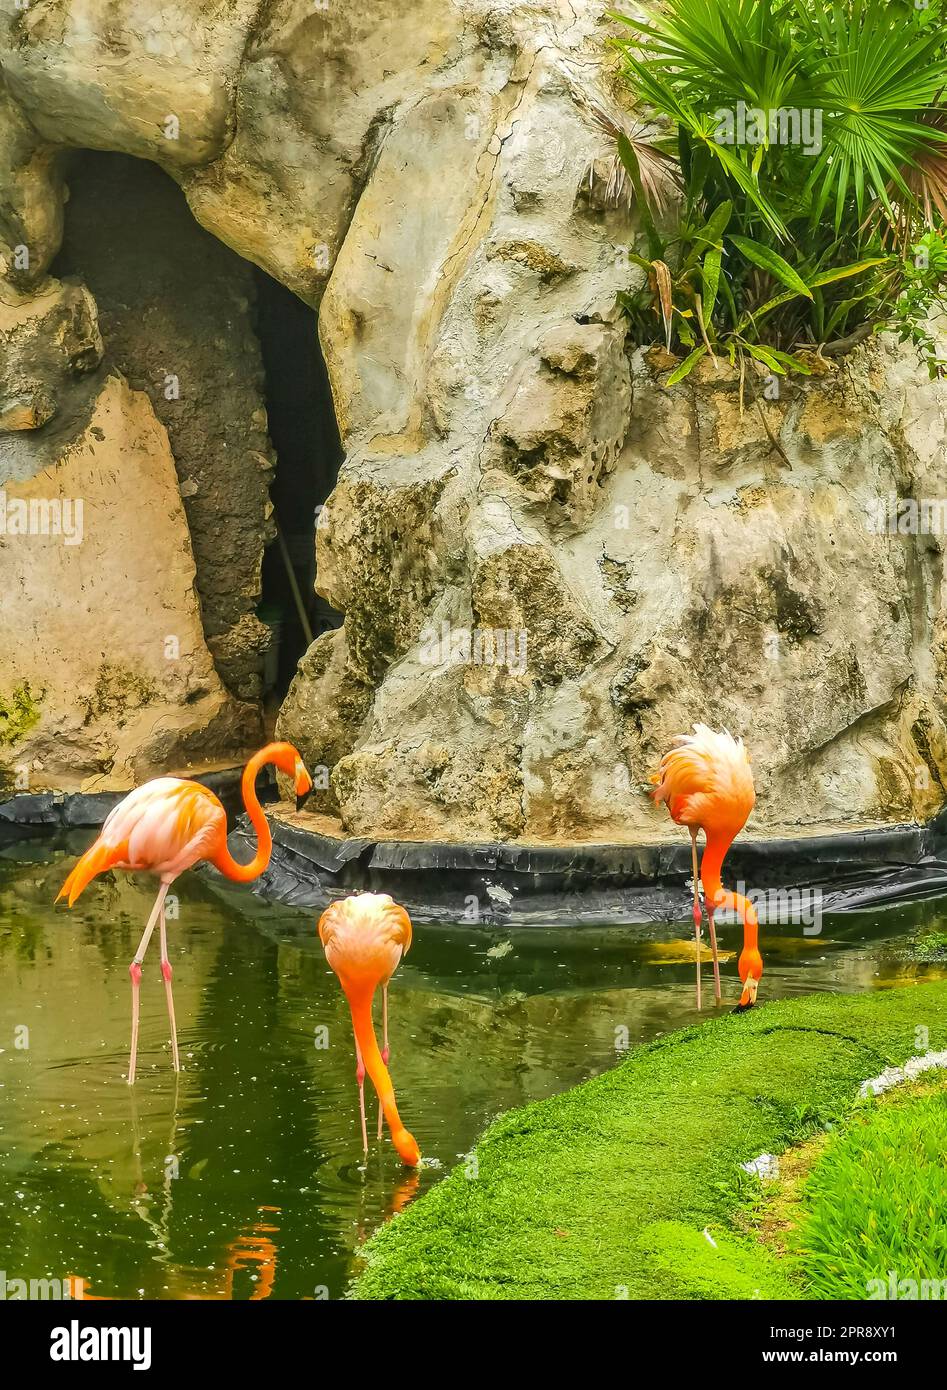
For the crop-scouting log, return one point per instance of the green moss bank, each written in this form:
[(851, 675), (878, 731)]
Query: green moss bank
[(18, 714), (607, 1191), (876, 1200)]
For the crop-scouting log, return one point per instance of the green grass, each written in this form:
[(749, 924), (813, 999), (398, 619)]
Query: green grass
[(607, 1190), (931, 945), (877, 1200)]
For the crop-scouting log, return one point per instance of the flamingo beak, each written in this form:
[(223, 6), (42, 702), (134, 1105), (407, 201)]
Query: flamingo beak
[(748, 997), (303, 786)]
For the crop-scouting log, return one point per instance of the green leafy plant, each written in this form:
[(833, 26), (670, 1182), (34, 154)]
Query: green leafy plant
[(876, 1201), (925, 274), (810, 149)]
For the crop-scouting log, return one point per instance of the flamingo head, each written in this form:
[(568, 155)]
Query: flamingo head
[(289, 762), (407, 1147), (302, 783), (750, 967)]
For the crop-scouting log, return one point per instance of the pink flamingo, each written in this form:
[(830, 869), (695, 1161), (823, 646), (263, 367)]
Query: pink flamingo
[(364, 938), (167, 826), (707, 784)]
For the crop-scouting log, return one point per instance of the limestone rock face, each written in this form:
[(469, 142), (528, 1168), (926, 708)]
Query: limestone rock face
[(31, 195), (561, 433), (107, 674), (381, 553), (324, 711), (47, 342), (766, 596), (548, 563), (126, 77), (712, 580)]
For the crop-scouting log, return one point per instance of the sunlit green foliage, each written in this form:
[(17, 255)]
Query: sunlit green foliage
[(631, 1185), (877, 1203), (808, 142)]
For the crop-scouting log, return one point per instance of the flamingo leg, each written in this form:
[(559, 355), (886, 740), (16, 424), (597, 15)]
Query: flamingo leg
[(697, 912), (134, 971), (713, 947), (695, 877), (360, 1078), (386, 1051), (167, 972), (697, 944)]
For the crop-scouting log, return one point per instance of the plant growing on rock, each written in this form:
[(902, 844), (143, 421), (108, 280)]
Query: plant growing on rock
[(809, 140)]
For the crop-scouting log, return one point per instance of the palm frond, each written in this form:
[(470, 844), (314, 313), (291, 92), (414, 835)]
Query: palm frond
[(659, 171)]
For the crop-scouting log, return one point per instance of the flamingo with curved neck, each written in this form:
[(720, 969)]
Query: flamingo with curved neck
[(166, 826), (364, 938), (707, 784)]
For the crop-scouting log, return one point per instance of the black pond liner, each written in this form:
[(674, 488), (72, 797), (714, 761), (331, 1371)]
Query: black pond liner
[(514, 884), (36, 813), (509, 884)]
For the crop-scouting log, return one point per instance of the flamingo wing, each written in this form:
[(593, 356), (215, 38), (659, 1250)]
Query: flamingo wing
[(365, 935), (164, 826), (706, 776)]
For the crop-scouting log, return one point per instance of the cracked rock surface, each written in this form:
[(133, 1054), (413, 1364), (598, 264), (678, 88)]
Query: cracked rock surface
[(517, 480)]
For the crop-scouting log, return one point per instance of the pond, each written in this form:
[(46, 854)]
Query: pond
[(244, 1177)]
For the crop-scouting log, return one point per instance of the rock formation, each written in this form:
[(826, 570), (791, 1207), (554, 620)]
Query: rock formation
[(548, 564), (106, 675)]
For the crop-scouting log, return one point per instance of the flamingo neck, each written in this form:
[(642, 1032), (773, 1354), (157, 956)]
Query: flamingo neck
[(359, 994), (224, 860), (715, 851)]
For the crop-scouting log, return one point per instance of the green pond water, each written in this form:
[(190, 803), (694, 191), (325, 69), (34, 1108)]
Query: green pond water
[(244, 1176)]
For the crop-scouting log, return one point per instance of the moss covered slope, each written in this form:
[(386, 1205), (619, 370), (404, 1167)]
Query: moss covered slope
[(876, 1199), (606, 1191)]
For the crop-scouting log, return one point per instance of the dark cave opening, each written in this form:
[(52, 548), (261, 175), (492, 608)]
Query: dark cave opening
[(177, 305), (305, 436)]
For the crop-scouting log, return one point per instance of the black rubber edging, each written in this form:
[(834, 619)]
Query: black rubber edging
[(508, 883), (584, 884), (28, 813)]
